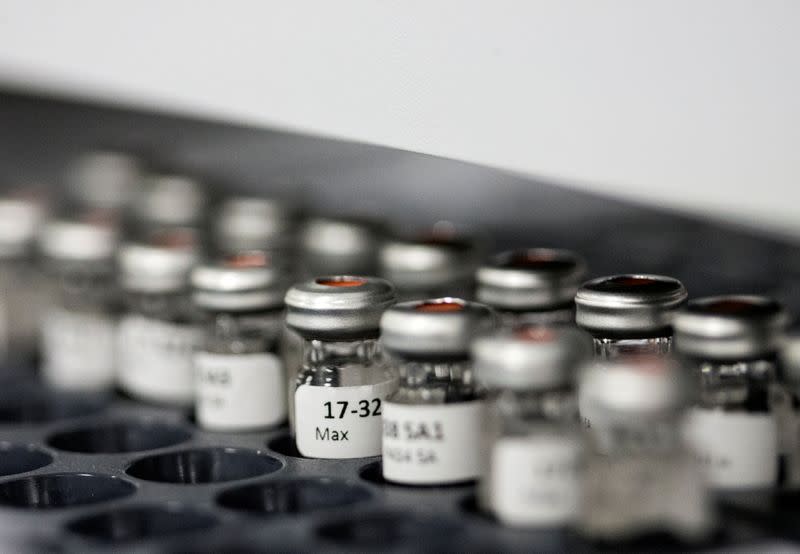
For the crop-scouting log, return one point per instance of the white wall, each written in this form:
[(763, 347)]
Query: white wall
[(688, 103)]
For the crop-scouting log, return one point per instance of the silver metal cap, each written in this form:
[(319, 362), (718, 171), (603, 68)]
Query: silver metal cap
[(530, 357), (171, 200), (340, 245), (530, 279), (78, 240), (634, 388), (339, 307), (431, 260), (161, 265), (20, 221), (253, 223), (436, 327), (104, 179), (244, 281), (628, 303), (729, 327)]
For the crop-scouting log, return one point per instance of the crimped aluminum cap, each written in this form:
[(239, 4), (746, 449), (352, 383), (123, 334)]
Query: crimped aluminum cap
[(429, 261), (530, 279), (338, 307), (436, 327), (253, 223), (530, 357), (105, 179), (161, 265), (241, 282), (78, 240), (171, 200), (20, 221), (729, 327), (636, 387), (628, 303), (338, 245)]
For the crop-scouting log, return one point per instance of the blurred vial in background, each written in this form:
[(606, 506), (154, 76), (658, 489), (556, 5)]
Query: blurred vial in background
[(344, 381), (21, 288), (535, 285), (532, 439), (166, 202), (78, 325), (160, 332), (239, 379), (731, 345), (104, 180), (437, 263), (432, 423), (244, 223), (339, 246), (640, 479), (629, 315)]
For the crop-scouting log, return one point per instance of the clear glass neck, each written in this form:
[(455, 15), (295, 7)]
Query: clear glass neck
[(435, 382), (606, 348), (735, 386)]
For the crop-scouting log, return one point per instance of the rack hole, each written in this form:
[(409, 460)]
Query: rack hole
[(202, 466), (119, 437), (292, 496), (389, 529), (141, 522), (17, 458), (62, 490), (28, 405), (285, 445)]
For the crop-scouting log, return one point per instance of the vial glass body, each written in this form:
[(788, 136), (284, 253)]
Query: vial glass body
[(22, 301), (735, 425), (157, 339), (78, 324), (640, 478), (239, 378), (338, 398), (617, 347), (431, 429), (533, 449)]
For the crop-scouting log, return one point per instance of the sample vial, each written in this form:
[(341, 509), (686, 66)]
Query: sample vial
[(432, 423), (731, 344), (20, 283), (339, 246), (245, 223), (629, 314), (534, 285), (433, 264), (239, 380), (78, 325), (159, 334), (167, 202), (640, 478), (104, 180), (340, 390), (532, 438)]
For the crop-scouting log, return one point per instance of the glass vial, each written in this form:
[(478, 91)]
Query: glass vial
[(20, 283), (731, 343), (640, 479), (532, 286), (629, 315), (167, 201), (245, 223), (532, 438), (78, 325), (344, 381), (159, 334), (104, 180), (431, 424), (239, 379), (437, 263)]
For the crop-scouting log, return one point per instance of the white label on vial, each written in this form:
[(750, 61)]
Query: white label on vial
[(534, 480), (340, 422), (156, 359), (239, 391), (738, 450), (432, 444), (77, 350)]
